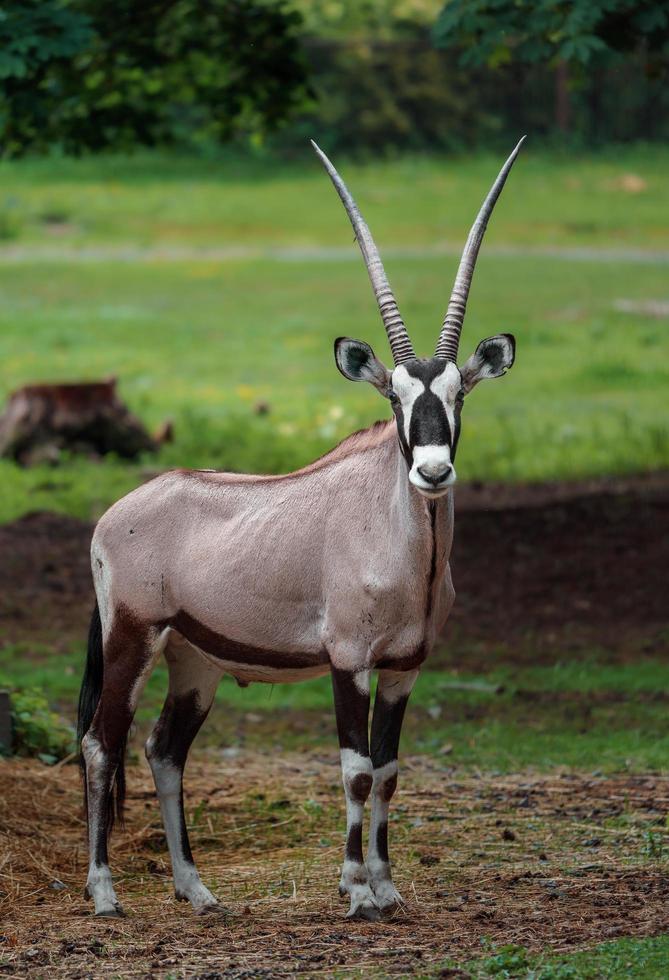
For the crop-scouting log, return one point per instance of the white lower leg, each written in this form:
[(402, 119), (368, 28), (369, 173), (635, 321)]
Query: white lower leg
[(99, 775), (378, 863), (357, 778), (187, 883), (99, 887)]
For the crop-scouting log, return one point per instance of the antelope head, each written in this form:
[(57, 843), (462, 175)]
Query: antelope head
[(426, 394)]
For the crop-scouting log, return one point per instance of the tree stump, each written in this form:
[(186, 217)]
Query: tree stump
[(42, 420)]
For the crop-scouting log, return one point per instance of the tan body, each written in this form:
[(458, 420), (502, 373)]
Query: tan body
[(234, 562)]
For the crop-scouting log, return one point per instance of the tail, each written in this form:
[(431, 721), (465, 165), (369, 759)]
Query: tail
[(89, 697)]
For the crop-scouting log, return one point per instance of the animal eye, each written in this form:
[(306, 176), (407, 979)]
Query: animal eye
[(392, 396)]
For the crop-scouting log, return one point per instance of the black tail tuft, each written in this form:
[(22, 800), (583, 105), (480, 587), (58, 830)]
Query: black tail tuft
[(91, 686), (89, 697)]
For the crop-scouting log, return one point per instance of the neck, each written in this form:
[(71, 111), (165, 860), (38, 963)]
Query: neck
[(417, 514), (427, 529)]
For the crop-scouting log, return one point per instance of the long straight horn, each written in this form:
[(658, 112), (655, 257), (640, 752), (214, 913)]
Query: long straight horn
[(449, 338), (400, 344)]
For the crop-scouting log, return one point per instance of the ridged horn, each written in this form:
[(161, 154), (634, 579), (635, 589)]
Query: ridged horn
[(449, 338), (400, 344)]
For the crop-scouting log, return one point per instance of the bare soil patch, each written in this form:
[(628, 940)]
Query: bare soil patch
[(540, 571), (545, 572), (560, 862)]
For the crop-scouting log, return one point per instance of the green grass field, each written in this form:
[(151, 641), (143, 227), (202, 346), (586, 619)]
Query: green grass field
[(208, 286), (619, 198)]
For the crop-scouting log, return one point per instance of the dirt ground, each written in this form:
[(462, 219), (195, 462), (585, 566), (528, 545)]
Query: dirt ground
[(565, 861), (539, 572)]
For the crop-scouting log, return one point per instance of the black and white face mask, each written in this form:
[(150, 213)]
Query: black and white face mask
[(427, 397)]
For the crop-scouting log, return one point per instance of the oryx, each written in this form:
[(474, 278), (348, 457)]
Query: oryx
[(340, 567)]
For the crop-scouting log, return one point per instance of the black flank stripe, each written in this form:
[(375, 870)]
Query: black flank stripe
[(240, 653)]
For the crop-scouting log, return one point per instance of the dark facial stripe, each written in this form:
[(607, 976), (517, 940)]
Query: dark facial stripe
[(429, 422), (456, 434), (404, 445), (425, 370)]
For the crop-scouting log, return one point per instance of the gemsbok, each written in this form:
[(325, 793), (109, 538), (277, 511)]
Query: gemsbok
[(341, 567)]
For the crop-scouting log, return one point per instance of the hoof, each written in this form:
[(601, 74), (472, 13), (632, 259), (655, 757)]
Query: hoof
[(390, 910), (365, 912), (114, 912), (211, 910), (387, 896), (199, 897)]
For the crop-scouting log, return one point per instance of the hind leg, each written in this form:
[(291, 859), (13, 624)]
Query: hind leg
[(130, 648), (193, 683)]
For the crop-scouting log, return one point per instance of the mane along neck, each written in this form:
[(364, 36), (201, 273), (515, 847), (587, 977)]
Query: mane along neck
[(357, 442)]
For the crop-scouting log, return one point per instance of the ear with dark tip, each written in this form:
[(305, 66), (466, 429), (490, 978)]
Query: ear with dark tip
[(357, 361), (491, 359)]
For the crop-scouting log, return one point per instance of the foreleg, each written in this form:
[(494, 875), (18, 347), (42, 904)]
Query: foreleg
[(351, 697), (392, 695)]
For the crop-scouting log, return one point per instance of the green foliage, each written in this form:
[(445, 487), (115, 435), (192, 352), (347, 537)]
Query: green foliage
[(506, 961), (382, 19), (495, 32), (655, 846), (382, 84), (362, 75), (37, 729), (37, 33), (622, 959), (604, 64), (90, 74), (382, 96)]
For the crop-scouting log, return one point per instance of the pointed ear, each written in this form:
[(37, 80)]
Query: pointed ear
[(491, 359), (357, 362)]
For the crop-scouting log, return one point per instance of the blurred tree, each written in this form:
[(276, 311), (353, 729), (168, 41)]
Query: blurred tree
[(380, 84), (97, 74), (38, 38), (571, 35), (382, 19)]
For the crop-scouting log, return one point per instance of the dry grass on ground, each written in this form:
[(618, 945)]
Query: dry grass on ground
[(560, 861)]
